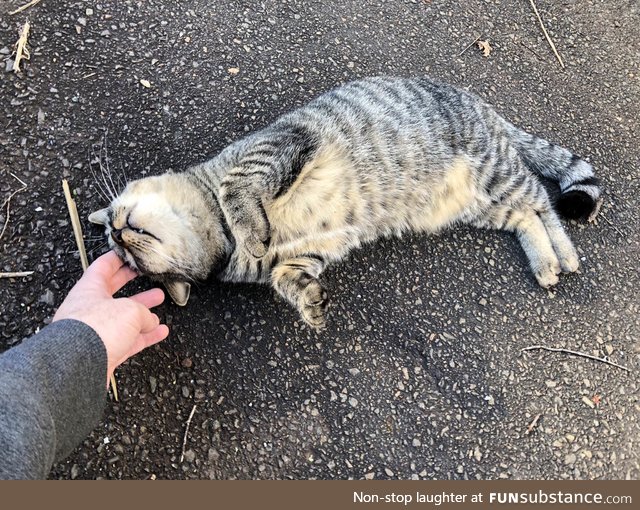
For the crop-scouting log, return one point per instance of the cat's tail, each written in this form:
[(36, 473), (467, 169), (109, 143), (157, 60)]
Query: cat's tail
[(579, 188)]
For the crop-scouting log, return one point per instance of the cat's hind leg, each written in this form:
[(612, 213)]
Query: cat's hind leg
[(562, 245), (523, 207), (296, 280)]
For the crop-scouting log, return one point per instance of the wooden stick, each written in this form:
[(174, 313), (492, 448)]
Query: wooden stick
[(575, 353), (19, 274), (546, 34), (186, 431), (77, 232), (22, 53), (25, 7), (533, 424)]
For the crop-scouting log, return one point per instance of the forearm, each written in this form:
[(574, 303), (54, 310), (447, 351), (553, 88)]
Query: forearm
[(52, 392)]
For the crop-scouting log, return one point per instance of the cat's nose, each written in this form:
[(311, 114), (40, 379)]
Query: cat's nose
[(116, 235)]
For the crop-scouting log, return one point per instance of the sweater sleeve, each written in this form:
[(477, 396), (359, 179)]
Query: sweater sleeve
[(52, 392)]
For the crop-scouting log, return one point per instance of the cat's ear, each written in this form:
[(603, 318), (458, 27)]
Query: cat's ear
[(179, 291), (100, 217)]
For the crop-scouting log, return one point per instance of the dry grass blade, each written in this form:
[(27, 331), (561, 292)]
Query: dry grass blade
[(22, 52), (25, 7), (7, 202), (77, 232), (546, 34), (19, 274)]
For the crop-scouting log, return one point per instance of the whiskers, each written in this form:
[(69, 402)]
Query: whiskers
[(108, 183), (183, 268)]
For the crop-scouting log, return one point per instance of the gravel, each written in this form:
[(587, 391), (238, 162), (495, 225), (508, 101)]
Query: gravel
[(419, 373)]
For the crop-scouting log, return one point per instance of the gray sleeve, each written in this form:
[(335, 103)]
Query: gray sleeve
[(52, 392)]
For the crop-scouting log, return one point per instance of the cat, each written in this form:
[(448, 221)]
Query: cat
[(375, 157)]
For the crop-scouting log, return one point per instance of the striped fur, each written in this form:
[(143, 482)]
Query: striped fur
[(373, 158)]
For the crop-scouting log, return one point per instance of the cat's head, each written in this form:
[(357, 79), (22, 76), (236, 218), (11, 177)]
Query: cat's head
[(163, 227)]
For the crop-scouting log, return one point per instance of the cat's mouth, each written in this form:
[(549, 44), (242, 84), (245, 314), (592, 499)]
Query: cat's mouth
[(126, 256)]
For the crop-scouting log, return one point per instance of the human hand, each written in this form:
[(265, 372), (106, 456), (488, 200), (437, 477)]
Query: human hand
[(125, 325)]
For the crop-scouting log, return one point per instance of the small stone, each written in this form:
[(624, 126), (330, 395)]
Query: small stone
[(354, 371), (551, 384), (145, 83), (570, 437), (185, 392), (187, 363), (609, 349), (416, 442), (482, 302), (369, 476), (570, 459), (47, 298), (189, 456), (588, 402), (213, 455), (389, 472), (153, 384), (75, 471), (89, 12), (353, 402)]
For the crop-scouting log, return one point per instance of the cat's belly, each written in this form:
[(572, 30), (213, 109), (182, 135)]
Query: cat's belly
[(331, 209)]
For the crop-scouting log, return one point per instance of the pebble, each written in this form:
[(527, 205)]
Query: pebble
[(570, 459), (588, 402), (47, 298), (189, 456), (153, 383), (389, 472)]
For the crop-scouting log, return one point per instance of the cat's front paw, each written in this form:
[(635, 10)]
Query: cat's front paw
[(256, 247), (314, 303)]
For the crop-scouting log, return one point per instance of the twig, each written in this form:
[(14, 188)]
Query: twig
[(186, 431), (465, 50), (7, 202), (25, 7), (611, 223), (75, 223), (533, 424), (19, 274), (546, 34), (22, 51), (575, 353), (77, 232)]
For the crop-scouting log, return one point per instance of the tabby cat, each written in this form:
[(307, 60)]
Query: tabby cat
[(373, 158)]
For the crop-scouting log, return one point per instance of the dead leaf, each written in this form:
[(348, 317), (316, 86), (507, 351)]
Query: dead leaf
[(145, 84), (485, 47), (233, 70)]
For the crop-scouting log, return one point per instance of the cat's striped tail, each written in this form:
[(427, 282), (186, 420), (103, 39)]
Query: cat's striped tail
[(579, 188)]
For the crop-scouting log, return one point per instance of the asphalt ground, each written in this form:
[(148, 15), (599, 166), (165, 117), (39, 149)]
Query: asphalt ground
[(419, 373)]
